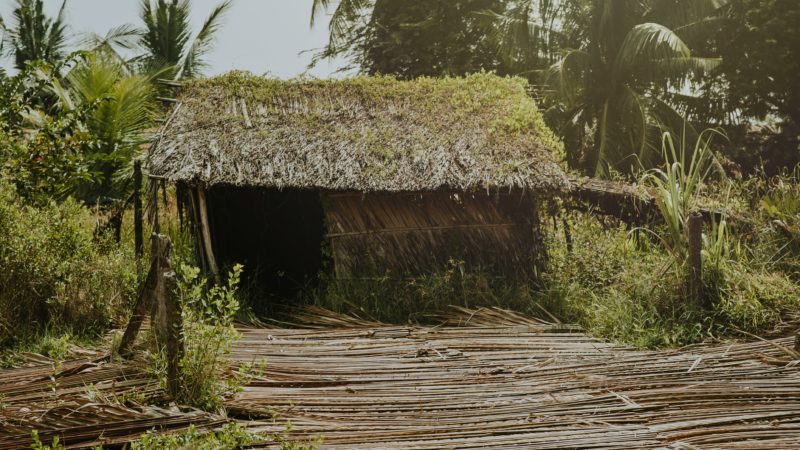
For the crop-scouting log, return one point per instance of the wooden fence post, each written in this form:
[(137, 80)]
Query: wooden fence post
[(138, 228), (694, 228), (157, 294), (169, 327)]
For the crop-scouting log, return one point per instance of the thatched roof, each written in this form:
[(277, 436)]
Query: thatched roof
[(363, 133)]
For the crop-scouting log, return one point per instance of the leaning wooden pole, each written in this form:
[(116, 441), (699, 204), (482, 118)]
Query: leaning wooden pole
[(138, 223), (161, 249), (205, 232), (694, 229)]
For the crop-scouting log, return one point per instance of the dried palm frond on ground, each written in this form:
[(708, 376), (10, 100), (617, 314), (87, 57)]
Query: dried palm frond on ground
[(484, 378)]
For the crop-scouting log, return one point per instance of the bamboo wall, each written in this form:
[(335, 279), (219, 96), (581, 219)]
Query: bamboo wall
[(409, 234)]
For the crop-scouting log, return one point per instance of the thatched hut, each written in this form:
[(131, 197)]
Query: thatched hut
[(382, 177)]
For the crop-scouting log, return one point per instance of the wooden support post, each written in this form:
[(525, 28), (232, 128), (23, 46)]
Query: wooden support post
[(567, 234), (161, 249), (694, 229), (169, 327), (205, 232), (138, 228), (541, 259)]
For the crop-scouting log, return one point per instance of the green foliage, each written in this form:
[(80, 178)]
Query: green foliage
[(677, 187), (759, 41), (208, 332), (232, 436), (54, 274), (34, 36), (618, 285), (118, 111), (48, 162), (167, 36), (37, 443), (43, 154), (777, 209), (413, 38), (609, 93)]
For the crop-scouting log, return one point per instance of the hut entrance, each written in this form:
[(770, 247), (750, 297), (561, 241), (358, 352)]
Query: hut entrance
[(276, 234)]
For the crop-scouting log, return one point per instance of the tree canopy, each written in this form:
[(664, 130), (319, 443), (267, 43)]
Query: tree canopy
[(33, 35)]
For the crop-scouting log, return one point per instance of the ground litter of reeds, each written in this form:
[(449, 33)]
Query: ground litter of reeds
[(484, 378)]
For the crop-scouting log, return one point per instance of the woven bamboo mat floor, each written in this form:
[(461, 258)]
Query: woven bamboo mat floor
[(486, 378), (493, 379)]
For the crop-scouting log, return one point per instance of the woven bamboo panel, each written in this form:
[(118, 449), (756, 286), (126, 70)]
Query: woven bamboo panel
[(409, 234)]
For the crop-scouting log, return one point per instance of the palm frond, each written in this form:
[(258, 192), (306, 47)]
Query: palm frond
[(680, 67), (317, 8), (124, 37), (35, 36), (166, 31), (645, 43), (193, 61), (346, 16), (568, 76)]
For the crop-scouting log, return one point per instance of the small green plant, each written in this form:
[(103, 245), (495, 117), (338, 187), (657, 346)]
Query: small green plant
[(208, 331), (282, 439), (232, 436), (37, 443)]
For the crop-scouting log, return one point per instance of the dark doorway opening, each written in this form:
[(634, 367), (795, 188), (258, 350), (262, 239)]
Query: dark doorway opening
[(278, 236)]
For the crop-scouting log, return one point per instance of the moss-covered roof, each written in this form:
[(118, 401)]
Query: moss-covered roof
[(362, 133)]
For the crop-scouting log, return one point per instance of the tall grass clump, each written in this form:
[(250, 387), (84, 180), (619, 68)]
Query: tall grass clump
[(676, 189), (630, 285), (54, 275)]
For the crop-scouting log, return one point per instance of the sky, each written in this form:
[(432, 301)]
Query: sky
[(261, 36)]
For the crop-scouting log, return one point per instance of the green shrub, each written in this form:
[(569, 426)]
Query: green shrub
[(54, 275), (622, 288), (208, 314)]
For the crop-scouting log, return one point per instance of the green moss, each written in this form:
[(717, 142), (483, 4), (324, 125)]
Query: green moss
[(498, 104)]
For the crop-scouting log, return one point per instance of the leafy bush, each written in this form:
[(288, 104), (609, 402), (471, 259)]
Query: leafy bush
[(53, 274), (621, 286), (209, 333)]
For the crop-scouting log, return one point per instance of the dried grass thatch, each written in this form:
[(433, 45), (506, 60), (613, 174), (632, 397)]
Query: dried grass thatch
[(364, 134)]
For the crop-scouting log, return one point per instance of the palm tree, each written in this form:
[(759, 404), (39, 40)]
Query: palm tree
[(345, 15), (608, 93), (167, 36), (34, 36), (121, 109)]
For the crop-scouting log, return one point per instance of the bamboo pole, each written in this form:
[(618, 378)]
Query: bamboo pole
[(137, 210), (161, 250), (205, 231)]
